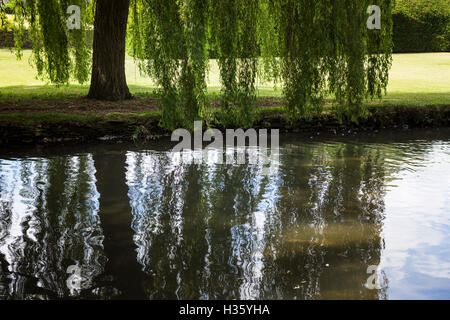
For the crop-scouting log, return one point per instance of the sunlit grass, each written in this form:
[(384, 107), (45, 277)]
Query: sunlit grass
[(415, 79)]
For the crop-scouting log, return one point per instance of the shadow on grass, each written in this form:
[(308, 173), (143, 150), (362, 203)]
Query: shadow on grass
[(46, 92), (43, 92)]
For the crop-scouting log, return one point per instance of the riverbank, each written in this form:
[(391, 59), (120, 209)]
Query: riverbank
[(33, 112), (113, 123)]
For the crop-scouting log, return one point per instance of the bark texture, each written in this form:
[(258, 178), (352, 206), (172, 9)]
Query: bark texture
[(108, 80)]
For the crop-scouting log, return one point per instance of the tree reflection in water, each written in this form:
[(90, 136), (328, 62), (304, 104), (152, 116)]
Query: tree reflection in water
[(144, 225), (308, 231), (48, 222)]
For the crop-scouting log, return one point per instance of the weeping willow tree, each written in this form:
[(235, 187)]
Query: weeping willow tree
[(317, 50)]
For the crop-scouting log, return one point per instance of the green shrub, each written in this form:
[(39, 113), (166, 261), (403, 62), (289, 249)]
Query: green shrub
[(422, 26)]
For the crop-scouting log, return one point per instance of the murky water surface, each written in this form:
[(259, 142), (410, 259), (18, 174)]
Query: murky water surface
[(339, 218)]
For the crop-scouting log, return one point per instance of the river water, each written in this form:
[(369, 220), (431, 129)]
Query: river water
[(359, 217)]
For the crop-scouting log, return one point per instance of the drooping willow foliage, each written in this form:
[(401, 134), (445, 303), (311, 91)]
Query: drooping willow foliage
[(170, 38), (327, 50), (318, 50), (173, 39), (235, 38), (59, 53)]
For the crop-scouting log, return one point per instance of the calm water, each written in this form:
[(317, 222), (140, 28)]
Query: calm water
[(141, 225)]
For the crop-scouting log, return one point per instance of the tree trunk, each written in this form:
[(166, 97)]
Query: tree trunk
[(108, 80)]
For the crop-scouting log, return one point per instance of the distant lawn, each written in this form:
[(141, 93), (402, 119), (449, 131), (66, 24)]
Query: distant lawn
[(419, 79), (415, 79)]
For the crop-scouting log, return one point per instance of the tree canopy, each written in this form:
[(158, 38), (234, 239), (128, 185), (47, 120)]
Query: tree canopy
[(316, 49)]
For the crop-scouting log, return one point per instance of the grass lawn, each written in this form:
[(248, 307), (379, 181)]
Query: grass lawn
[(415, 79)]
